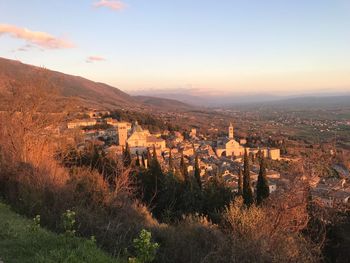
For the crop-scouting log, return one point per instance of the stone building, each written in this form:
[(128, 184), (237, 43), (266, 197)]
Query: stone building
[(140, 140), (229, 146), (81, 123)]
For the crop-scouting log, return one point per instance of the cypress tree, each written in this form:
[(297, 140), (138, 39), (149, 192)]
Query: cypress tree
[(137, 159), (240, 182), (197, 172), (262, 187), (259, 155), (247, 189), (171, 163), (143, 161), (178, 175), (152, 179), (127, 156), (149, 158), (183, 168), (155, 166)]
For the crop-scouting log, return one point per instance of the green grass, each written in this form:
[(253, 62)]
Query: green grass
[(21, 241)]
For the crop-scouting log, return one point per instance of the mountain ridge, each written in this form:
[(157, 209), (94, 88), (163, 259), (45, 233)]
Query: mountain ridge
[(89, 92)]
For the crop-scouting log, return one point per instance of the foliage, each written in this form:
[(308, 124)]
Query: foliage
[(262, 187), (145, 119), (247, 188), (216, 196), (183, 169), (145, 249), (36, 224), (240, 182), (197, 175), (18, 243), (192, 239), (94, 158), (266, 234), (171, 163), (126, 156), (68, 222)]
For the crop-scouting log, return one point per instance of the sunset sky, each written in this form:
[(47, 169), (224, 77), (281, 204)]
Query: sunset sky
[(214, 47)]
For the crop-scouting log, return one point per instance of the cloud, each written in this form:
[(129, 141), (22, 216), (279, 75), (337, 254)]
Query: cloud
[(41, 39), (111, 4), (22, 49), (92, 59)]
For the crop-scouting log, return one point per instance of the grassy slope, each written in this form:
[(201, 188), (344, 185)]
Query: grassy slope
[(19, 243)]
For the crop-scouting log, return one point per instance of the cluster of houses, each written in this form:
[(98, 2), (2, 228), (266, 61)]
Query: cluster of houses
[(332, 191), (220, 156)]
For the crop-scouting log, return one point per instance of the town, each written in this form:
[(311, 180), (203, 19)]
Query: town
[(221, 155)]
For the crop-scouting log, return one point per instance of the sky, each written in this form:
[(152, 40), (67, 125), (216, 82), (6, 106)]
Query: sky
[(208, 47)]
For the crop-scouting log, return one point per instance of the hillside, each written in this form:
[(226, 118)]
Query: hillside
[(88, 93), (21, 241), (67, 85), (162, 102)]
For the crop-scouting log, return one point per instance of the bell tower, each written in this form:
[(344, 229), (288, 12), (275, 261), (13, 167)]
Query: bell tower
[(231, 132), (122, 133)]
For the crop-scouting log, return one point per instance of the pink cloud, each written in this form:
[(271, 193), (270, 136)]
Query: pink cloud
[(92, 59), (40, 39), (112, 4)]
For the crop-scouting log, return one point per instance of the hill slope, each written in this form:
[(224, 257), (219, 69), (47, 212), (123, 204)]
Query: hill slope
[(89, 92), (67, 85), (21, 241)]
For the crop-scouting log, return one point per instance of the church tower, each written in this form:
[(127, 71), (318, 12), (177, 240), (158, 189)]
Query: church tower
[(231, 132), (122, 133)]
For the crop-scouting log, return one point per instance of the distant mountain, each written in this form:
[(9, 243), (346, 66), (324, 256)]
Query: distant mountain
[(182, 96), (162, 102), (190, 97), (88, 92), (240, 100)]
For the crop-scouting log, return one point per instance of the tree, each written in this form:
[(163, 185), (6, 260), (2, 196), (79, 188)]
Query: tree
[(149, 157), (155, 167), (145, 249), (151, 179), (197, 172), (262, 188), (240, 182), (171, 163), (259, 155), (127, 156), (183, 168), (216, 196), (247, 188), (143, 160), (137, 159)]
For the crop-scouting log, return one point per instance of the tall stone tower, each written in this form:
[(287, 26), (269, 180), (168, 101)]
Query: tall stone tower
[(231, 132), (122, 133)]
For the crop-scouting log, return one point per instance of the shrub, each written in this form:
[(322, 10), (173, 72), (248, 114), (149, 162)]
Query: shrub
[(145, 249), (264, 235), (68, 222), (192, 239)]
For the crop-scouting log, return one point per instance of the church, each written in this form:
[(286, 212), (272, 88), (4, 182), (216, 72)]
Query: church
[(139, 140), (229, 146)]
